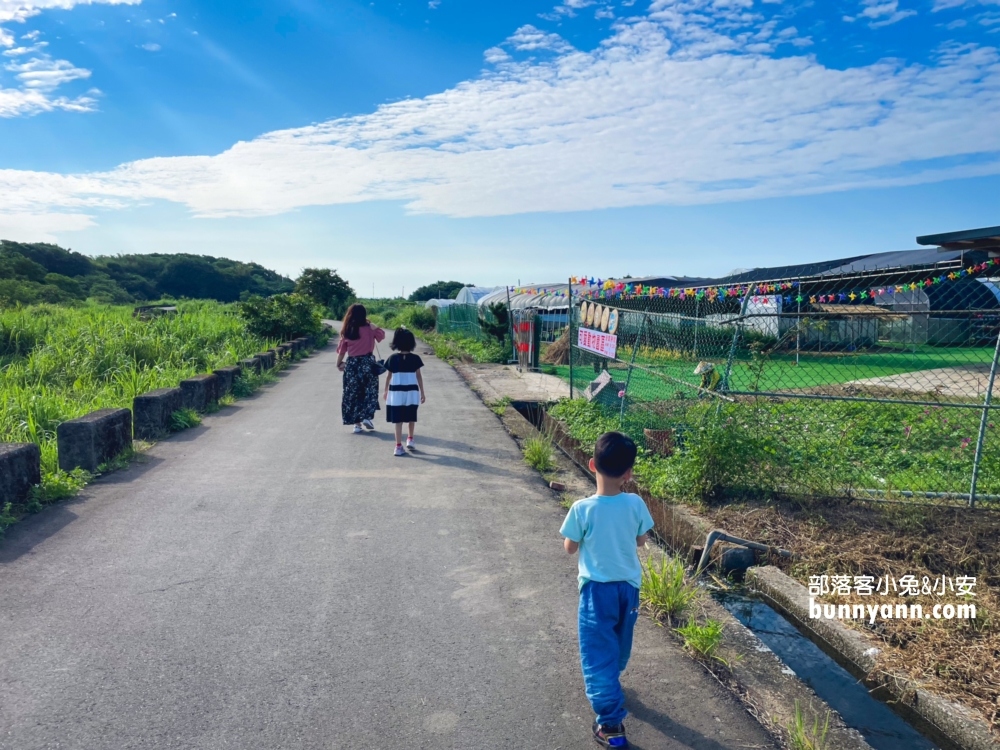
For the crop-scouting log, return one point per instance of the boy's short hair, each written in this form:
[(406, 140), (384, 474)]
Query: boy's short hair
[(403, 340), (614, 454)]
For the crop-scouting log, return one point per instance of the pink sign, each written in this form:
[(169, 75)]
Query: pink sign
[(605, 344)]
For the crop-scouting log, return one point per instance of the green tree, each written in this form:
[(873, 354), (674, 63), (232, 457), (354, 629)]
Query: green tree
[(325, 287), (497, 323), (438, 290)]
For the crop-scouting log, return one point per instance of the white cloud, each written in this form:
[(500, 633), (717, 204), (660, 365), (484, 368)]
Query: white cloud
[(882, 13), (675, 107), (39, 77), (946, 4), (433, 4), (528, 38), (151, 47)]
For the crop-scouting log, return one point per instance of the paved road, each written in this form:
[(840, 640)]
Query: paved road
[(269, 580)]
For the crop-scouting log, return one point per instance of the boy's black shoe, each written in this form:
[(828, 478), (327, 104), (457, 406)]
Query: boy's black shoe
[(610, 736)]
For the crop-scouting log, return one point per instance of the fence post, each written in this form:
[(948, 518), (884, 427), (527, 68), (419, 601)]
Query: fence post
[(724, 385), (631, 366), (983, 422), (510, 324), (569, 286)]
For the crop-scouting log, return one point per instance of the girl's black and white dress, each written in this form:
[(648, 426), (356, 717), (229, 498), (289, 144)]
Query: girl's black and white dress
[(404, 393)]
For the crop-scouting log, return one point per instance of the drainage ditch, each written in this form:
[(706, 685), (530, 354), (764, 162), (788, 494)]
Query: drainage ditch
[(880, 726)]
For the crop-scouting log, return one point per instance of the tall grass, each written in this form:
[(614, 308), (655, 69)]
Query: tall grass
[(59, 363)]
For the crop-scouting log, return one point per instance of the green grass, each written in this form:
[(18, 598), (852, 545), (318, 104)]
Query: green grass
[(184, 419), (664, 590), (759, 447), (803, 737), (781, 372), (703, 640), (60, 363), (538, 453)]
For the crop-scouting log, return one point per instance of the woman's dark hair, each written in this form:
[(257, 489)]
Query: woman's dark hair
[(403, 340), (355, 317), (614, 454)]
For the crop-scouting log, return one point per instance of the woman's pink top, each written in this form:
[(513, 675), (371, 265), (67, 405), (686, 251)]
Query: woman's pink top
[(363, 344)]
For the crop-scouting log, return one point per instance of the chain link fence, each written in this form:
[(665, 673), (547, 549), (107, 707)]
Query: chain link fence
[(876, 384)]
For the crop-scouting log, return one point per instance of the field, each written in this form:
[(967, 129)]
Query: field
[(59, 363), (812, 370)]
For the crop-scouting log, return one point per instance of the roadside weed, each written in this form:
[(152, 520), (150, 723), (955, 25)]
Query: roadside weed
[(499, 406), (182, 419), (57, 485), (802, 737), (6, 518), (664, 589), (703, 640), (538, 454)]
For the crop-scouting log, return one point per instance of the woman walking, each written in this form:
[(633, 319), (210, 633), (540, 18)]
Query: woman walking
[(357, 340)]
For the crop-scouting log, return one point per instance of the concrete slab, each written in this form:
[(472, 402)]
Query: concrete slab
[(496, 382)]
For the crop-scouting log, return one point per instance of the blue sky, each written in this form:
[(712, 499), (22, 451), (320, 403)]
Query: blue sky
[(406, 141)]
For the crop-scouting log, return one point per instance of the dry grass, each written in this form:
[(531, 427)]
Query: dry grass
[(959, 659)]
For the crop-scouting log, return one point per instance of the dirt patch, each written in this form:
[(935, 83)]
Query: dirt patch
[(960, 659)]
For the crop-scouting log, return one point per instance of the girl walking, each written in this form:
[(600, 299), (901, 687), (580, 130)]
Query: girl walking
[(404, 387), (357, 340)]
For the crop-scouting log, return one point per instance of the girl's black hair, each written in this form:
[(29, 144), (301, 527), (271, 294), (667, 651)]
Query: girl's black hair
[(403, 340), (355, 317)]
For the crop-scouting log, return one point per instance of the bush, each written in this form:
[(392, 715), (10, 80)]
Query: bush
[(422, 319), (282, 317)]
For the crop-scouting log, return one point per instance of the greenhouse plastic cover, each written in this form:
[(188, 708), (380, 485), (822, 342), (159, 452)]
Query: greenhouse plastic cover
[(470, 295), (536, 296)]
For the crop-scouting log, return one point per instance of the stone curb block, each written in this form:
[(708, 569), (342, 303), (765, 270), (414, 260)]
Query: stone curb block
[(88, 441), (200, 391), (152, 411), (251, 363), (20, 469), (226, 375), (955, 722), (266, 359)]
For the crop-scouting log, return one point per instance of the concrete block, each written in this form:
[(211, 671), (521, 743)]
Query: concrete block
[(251, 364), (284, 351), (604, 390), (266, 359), (20, 468), (200, 391), (151, 412), (226, 377), (88, 441)]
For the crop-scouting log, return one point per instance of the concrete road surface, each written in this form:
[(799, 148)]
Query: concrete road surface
[(269, 580)]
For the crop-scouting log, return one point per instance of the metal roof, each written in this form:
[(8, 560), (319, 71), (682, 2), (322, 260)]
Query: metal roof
[(967, 239)]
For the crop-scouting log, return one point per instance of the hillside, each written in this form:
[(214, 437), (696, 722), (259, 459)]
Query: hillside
[(39, 272)]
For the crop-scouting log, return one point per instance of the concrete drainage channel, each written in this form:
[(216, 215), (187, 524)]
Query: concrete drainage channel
[(875, 721), (878, 724)]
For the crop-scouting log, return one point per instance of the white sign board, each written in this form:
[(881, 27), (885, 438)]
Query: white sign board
[(605, 344)]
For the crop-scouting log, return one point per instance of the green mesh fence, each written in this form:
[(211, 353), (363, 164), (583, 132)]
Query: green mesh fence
[(462, 320), (873, 385)]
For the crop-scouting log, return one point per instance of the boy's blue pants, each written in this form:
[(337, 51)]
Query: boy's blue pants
[(608, 612)]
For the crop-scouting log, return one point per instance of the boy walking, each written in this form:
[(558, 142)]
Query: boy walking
[(606, 529)]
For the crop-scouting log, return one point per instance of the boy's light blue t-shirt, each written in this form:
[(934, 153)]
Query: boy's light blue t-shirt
[(606, 527)]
